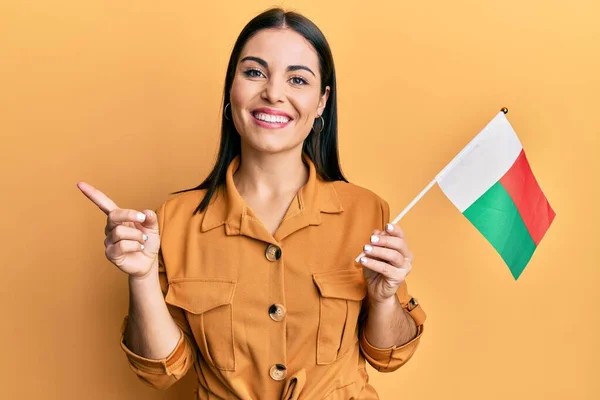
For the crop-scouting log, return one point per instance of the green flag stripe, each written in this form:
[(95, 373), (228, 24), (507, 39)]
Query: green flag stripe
[(495, 215)]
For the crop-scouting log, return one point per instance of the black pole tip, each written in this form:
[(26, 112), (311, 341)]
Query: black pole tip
[(504, 110)]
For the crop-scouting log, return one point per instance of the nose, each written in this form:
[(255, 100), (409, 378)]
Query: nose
[(274, 91)]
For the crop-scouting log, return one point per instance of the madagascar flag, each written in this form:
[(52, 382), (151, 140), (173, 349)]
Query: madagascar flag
[(491, 183)]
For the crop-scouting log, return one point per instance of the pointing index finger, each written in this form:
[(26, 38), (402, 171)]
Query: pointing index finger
[(97, 197)]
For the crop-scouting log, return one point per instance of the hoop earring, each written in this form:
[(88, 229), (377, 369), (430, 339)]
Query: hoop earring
[(322, 125), (225, 112)]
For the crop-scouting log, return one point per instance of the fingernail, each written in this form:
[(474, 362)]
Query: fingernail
[(145, 237), (141, 217), (374, 239), (368, 248), (389, 227), (363, 260), (142, 247)]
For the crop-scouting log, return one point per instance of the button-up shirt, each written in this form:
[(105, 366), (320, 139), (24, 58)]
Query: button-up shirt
[(271, 316)]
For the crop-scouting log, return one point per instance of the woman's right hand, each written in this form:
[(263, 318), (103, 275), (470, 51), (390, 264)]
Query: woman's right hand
[(132, 237)]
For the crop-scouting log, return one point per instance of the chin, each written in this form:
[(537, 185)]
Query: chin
[(270, 143), (271, 146)]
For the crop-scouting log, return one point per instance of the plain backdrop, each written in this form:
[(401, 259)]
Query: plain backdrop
[(126, 95)]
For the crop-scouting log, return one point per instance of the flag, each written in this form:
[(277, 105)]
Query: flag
[(491, 183)]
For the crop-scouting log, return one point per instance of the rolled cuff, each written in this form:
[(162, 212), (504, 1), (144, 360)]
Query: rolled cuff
[(160, 373), (390, 359), (417, 314)]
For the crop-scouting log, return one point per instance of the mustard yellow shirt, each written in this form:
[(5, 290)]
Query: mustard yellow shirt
[(271, 316)]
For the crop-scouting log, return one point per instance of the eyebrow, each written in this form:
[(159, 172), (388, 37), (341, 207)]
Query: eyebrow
[(266, 65)]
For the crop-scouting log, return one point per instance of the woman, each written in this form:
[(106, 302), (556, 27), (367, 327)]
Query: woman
[(252, 280)]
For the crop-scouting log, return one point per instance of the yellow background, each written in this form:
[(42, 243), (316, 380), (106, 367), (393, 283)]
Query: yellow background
[(126, 95)]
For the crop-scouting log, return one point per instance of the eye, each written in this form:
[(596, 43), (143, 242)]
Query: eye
[(298, 80), (254, 73)]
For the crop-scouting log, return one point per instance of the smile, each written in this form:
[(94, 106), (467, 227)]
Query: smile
[(270, 118)]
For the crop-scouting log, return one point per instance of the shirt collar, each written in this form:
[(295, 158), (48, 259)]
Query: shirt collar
[(227, 207)]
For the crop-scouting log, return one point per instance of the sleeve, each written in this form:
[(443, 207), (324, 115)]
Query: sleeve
[(163, 373), (390, 359)]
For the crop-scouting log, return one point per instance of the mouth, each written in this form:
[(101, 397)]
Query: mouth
[(270, 118)]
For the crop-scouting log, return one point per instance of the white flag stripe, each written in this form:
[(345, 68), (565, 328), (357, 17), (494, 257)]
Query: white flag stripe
[(481, 163)]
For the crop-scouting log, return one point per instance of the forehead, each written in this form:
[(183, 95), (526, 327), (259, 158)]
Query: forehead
[(281, 46)]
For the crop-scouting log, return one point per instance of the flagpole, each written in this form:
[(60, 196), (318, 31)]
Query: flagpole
[(407, 209), (459, 156)]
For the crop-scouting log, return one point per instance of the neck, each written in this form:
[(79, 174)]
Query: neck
[(270, 175)]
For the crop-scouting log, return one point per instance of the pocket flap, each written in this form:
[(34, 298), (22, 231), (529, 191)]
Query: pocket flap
[(199, 296), (347, 284)]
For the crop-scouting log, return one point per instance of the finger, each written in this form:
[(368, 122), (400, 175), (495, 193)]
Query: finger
[(390, 256), (391, 242), (120, 216), (123, 217), (122, 232), (123, 247), (362, 254), (151, 221), (394, 230), (378, 232), (385, 269), (97, 197)]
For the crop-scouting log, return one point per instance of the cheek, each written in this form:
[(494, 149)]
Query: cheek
[(236, 95), (306, 104), (237, 100)]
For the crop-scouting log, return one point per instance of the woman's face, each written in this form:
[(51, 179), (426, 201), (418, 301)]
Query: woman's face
[(275, 96)]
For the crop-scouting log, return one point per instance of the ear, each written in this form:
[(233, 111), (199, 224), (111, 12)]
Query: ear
[(323, 101)]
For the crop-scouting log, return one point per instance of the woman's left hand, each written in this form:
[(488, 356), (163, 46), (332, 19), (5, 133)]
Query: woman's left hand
[(387, 261)]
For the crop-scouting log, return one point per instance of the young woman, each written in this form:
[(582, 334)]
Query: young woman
[(250, 277)]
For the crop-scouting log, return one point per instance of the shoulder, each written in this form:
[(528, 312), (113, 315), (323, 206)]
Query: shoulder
[(352, 196), (180, 205)]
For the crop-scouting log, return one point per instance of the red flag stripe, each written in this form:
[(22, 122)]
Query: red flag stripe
[(521, 185)]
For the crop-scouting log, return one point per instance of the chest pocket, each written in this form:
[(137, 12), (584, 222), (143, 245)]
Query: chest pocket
[(208, 306), (341, 294)]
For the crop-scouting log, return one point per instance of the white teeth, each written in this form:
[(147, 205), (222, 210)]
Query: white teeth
[(280, 119)]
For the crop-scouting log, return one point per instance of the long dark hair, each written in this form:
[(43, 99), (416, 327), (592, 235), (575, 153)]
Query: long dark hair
[(321, 148)]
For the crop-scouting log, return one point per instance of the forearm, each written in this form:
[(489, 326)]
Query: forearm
[(388, 324), (151, 331)]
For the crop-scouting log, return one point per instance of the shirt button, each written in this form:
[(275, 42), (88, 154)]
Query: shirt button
[(277, 312), (278, 372), (273, 253)]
